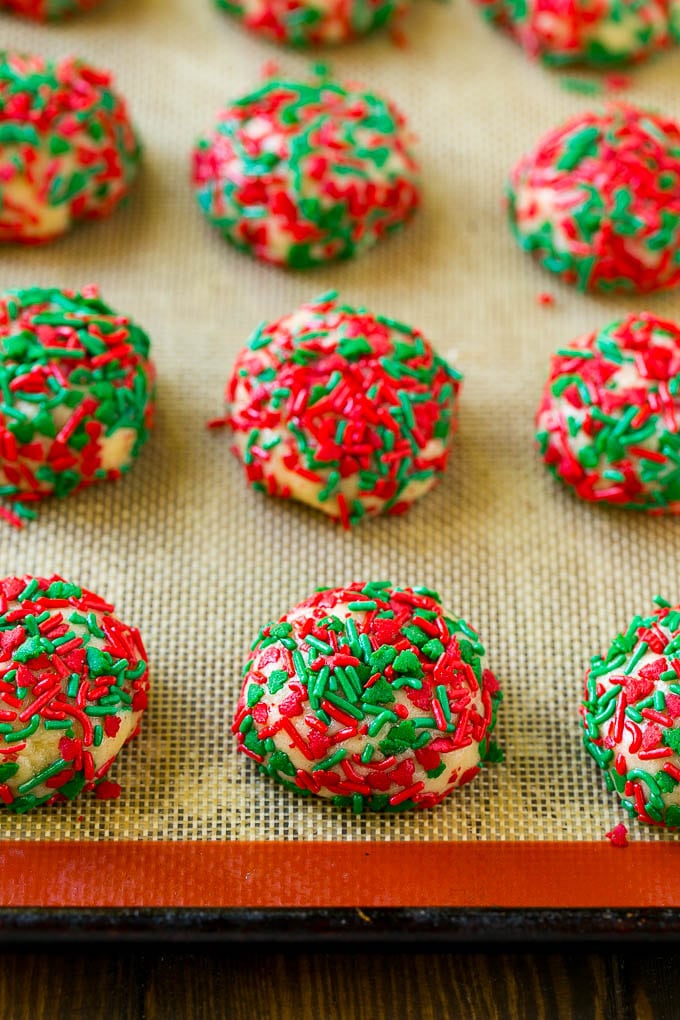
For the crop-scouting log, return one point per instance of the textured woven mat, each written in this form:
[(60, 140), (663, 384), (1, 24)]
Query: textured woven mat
[(199, 563)]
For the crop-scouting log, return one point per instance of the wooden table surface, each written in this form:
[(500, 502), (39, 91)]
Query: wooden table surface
[(259, 983)]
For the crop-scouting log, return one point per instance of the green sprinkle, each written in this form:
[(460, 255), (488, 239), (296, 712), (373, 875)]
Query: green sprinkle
[(320, 646), (366, 754), (333, 759), (27, 731)]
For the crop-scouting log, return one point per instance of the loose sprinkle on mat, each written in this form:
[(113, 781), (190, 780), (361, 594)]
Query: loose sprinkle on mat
[(618, 836)]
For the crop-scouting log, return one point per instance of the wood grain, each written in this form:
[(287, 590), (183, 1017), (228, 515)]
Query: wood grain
[(217, 983), (74, 985)]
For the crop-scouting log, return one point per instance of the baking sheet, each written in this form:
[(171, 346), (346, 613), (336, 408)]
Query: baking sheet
[(199, 562)]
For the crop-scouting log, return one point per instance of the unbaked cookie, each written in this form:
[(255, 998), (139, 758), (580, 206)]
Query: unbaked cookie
[(599, 33), (46, 10), (67, 149), (598, 201), (299, 174), (350, 412), (608, 420), (631, 716), (313, 22), (77, 394), (73, 686), (370, 695)]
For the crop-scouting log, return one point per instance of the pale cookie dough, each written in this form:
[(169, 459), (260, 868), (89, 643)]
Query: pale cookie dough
[(598, 201), (68, 151), (313, 22), (78, 394), (370, 695), (349, 412), (608, 422), (631, 716), (597, 33), (47, 10), (73, 686), (300, 174)]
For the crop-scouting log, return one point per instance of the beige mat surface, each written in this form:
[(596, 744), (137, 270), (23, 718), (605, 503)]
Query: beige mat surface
[(199, 562)]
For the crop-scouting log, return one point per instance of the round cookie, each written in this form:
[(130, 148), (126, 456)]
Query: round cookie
[(598, 201), (349, 412), (73, 686), (631, 716), (67, 149), (77, 394), (370, 695), (598, 33), (608, 421), (302, 174), (313, 22), (47, 10)]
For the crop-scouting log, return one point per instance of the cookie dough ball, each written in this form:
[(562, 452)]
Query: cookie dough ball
[(370, 695), (77, 393), (598, 201), (301, 174), (67, 149), (631, 716), (349, 412), (598, 33), (313, 22), (46, 10), (608, 420), (73, 686)]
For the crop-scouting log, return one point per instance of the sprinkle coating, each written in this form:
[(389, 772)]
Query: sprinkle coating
[(73, 687), (313, 22), (47, 10), (350, 412), (598, 201), (597, 33), (631, 716), (68, 151), (77, 392), (302, 174), (608, 419), (369, 695)]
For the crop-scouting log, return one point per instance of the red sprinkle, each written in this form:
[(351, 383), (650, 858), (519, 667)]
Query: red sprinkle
[(617, 836)]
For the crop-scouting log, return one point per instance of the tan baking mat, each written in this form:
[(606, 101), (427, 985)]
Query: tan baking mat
[(199, 563)]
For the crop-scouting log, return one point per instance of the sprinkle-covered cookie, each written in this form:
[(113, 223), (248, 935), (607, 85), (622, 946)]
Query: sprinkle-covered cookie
[(77, 389), (350, 412), (598, 201), (301, 174), (631, 716), (73, 686), (370, 695), (608, 423), (313, 22), (46, 10), (67, 149), (598, 33)]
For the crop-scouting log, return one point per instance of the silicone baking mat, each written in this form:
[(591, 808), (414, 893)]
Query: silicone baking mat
[(199, 562)]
